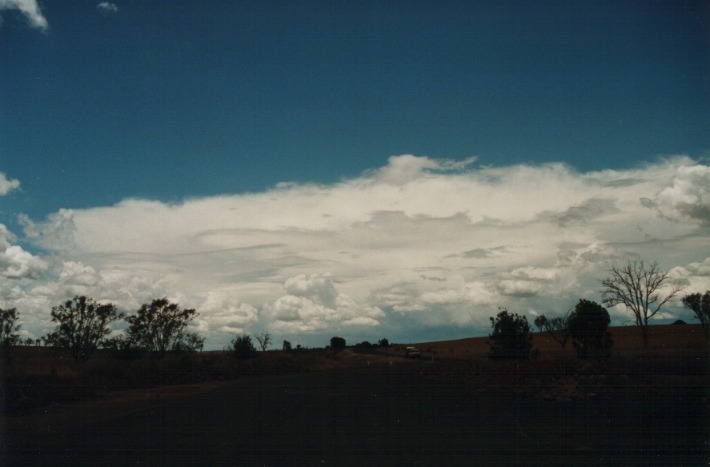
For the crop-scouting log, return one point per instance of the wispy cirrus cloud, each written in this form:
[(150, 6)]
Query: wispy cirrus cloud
[(29, 8), (418, 244)]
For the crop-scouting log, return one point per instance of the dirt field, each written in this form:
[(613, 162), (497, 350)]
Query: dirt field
[(378, 415), (638, 408)]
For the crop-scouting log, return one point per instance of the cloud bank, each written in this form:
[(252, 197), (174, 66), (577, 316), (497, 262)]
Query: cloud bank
[(418, 248)]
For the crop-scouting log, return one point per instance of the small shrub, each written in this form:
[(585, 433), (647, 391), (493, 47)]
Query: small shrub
[(242, 347), (337, 343), (588, 326)]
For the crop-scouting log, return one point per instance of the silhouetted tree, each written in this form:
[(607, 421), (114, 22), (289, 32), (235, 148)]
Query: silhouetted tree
[(511, 336), (264, 340), (636, 286), (700, 305), (242, 347), (588, 326), (83, 325), (364, 347), (556, 327), (122, 346), (8, 328), (540, 322), (286, 346), (162, 326), (337, 342), (192, 342), (384, 343)]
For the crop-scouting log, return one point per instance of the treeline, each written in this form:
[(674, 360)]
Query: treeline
[(84, 325), (636, 285), (586, 327)]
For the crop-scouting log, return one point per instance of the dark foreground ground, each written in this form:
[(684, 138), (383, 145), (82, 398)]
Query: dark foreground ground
[(384, 415)]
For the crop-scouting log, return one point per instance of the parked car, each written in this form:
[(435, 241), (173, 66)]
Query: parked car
[(412, 352)]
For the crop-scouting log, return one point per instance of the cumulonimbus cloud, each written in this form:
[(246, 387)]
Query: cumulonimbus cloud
[(419, 242)]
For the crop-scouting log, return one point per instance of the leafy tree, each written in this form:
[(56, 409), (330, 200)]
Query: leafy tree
[(192, 342), (286, 346), (700, 305), (264, 340), (83, 325), (588, 326), (161, 326), (337, 343), (511, 336), (242, 347), (384, 343), (637, 287), (8, 328)]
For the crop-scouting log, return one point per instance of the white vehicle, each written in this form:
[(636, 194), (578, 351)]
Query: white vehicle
[(412, 352)]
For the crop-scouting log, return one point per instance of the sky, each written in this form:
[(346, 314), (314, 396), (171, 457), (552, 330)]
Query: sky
[(365, 169)]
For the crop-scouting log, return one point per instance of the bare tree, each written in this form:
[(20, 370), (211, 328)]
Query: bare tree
[(264, 340), (557, 328), (540, 322), (637, 287)]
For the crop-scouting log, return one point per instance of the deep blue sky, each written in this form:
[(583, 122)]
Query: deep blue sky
[(167, 100)]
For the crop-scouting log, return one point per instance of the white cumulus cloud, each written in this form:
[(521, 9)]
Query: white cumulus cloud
[(107, 8), (17, 263), (688, 199), (6, 185), (29, 8)]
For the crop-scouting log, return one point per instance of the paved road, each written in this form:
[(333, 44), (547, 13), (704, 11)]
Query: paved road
[(370, 416)]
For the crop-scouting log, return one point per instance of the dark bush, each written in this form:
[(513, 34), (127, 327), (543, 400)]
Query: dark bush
[(242, 347), (337, 343), (511, 336), (588, 326), (365, 347)]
